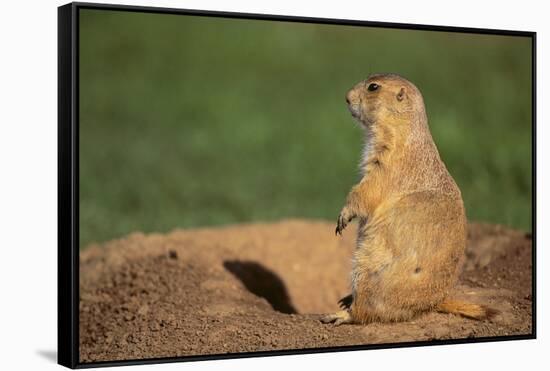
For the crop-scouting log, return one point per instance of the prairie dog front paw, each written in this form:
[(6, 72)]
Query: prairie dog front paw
[(343, 219)]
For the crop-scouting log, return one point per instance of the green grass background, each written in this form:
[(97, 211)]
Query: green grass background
[(190, 121)]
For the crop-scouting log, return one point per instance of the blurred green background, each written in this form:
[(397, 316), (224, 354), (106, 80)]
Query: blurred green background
[(190, 121)]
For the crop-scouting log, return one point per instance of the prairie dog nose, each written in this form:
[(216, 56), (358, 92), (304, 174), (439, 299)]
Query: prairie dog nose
[(349, 97)]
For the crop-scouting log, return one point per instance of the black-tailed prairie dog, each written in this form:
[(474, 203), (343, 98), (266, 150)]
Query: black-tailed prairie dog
[(412, 224)]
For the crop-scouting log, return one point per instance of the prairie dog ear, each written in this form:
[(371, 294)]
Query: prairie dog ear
[(401, 95)]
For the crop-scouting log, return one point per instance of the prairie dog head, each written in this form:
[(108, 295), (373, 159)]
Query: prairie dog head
[(384, 98)]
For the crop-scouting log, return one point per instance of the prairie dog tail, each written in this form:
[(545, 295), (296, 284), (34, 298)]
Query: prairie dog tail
[(465, 309)]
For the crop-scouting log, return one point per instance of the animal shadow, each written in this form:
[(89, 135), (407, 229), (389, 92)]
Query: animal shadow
[(262, 282)]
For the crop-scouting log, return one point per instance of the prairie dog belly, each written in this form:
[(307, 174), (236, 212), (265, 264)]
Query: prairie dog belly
[(408, 255)]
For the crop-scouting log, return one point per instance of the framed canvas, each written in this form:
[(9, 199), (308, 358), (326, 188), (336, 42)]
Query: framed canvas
[(236, 185)]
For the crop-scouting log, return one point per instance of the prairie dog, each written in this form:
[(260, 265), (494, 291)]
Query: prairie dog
[(412, 223)]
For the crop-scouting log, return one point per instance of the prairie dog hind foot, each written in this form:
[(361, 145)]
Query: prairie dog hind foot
[(338, 318)]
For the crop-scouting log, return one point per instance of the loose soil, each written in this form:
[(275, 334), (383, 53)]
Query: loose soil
[(262, 287)]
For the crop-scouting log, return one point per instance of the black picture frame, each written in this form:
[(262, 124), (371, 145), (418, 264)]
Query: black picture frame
[(68, 180)]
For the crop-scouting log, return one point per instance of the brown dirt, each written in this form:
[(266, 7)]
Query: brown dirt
[(262, 287)]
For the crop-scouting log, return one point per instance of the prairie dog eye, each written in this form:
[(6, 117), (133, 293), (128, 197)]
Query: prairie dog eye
[(373, 87)]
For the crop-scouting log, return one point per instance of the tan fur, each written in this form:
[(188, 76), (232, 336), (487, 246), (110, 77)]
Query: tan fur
[(412, 223), (468, 310)]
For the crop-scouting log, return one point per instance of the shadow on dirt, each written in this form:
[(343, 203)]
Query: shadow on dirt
[(262, 282)]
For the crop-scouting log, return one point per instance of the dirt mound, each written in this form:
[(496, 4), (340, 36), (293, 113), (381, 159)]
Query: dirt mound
[(262, 287)]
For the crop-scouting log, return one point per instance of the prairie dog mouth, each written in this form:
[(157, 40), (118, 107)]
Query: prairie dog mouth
[(354, 110)]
